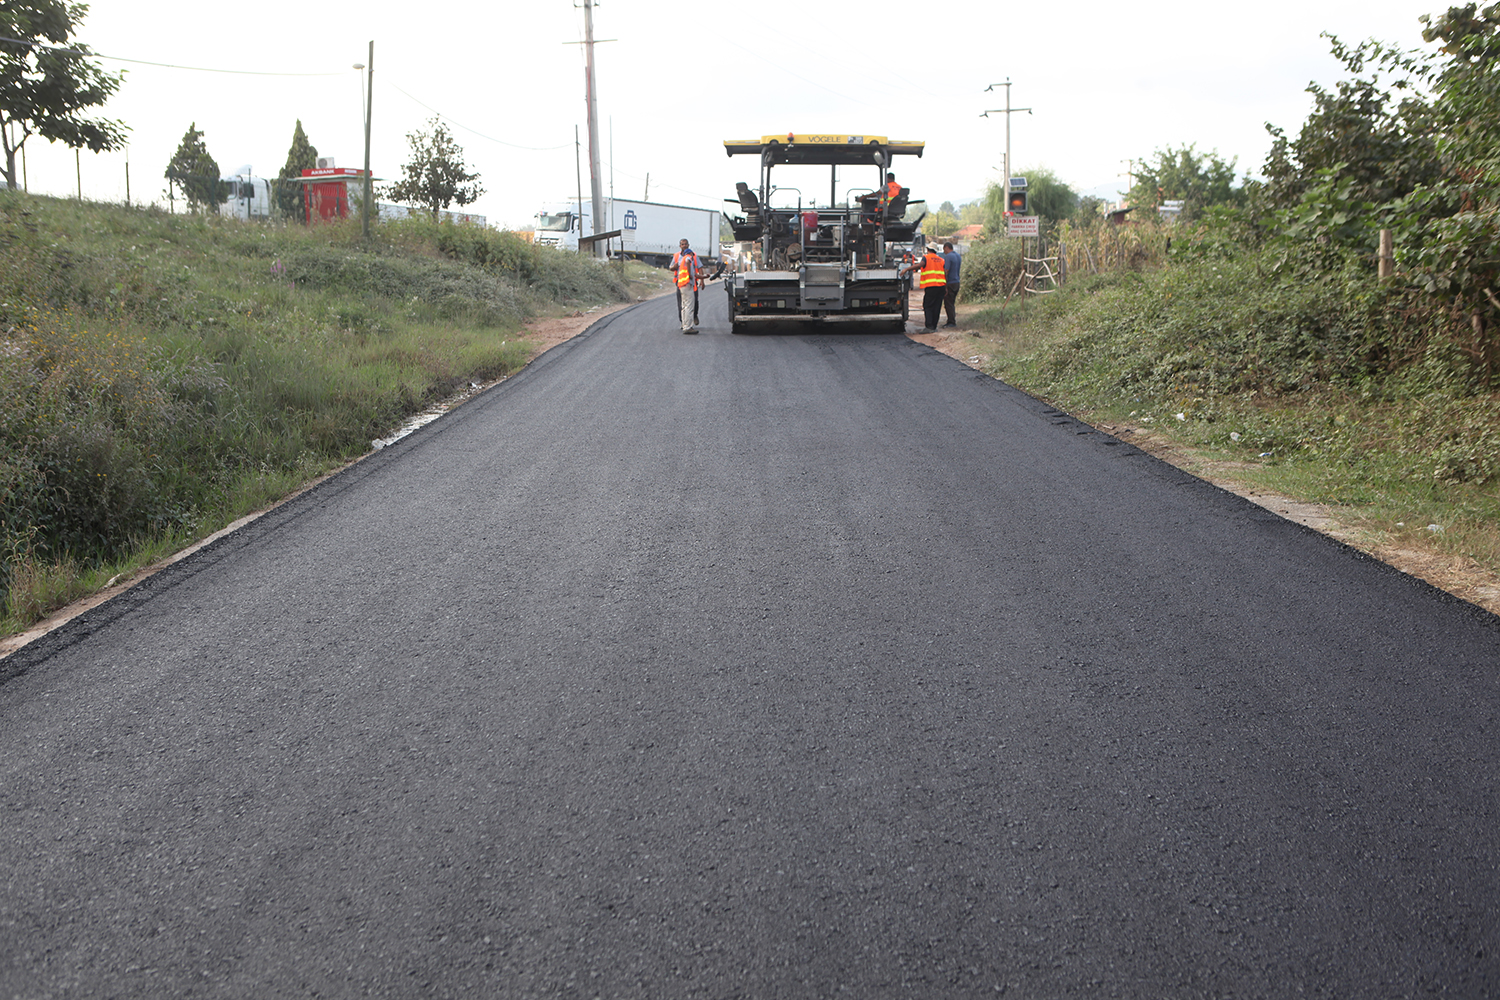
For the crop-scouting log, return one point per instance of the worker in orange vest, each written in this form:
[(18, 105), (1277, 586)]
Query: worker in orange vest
[(688, 271), (876, 202), (934, 284), (892, 190)]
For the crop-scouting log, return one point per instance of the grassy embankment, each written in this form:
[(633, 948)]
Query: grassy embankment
[(1334, 391), (162, 375)]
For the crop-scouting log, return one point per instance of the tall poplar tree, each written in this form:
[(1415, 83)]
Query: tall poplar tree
[(302, 155)]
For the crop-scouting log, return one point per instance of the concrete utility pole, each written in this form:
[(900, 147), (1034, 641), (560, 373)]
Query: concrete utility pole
[(1007, 110), (369, 112), (595, 188)]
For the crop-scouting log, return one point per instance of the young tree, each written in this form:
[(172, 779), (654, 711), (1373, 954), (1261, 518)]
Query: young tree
[(302, 155), (46, 84), (196, 172), (435, 177)]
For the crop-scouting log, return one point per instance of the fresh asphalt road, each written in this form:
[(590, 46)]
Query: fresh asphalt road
[(807, 665)]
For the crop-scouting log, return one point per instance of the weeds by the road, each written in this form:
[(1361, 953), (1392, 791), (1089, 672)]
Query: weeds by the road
[(1320, 391), (161, 375)]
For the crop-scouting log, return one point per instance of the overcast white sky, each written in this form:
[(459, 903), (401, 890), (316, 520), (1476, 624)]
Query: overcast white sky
[(1106, 82)]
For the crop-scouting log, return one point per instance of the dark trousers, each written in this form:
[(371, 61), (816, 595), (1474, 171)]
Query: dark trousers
[(950, 299), (932, 305)]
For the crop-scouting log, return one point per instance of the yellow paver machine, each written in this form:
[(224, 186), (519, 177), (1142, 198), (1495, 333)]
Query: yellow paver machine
[(823, 260)]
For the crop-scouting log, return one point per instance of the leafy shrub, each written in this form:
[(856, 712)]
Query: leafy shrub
[(990, 269)]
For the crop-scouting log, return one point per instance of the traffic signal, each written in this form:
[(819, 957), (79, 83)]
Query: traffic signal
[(1016, 205)]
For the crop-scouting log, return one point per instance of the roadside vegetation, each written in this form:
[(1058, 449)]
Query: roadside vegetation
[(1250, 322), (162, 375)]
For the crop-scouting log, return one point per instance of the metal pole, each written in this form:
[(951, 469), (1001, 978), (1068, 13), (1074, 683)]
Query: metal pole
[(578, 168), (1008, 109), (1008, 149), (594, 184), (78, 165), (369, 181)]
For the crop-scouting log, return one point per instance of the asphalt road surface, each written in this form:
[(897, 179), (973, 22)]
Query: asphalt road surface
[(755, 667)]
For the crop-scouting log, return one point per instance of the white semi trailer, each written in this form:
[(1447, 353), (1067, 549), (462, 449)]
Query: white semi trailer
[(648, 231)]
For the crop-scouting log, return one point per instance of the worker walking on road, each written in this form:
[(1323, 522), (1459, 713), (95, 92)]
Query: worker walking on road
[(951, 261), (934, 285), (689, 273)]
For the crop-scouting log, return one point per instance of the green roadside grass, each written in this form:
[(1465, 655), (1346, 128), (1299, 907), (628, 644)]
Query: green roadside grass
[(1311, 392), (163, 375)]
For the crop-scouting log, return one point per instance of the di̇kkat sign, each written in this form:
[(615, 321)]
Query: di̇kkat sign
[(1023, 225)]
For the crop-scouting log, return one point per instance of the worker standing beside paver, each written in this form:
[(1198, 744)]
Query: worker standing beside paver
[(934, 282), (689, 273), (951, 261)]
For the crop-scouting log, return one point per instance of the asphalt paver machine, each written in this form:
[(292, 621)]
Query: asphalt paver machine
[(817, 260)]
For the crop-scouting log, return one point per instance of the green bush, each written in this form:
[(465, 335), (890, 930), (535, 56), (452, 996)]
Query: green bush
[(990, 269)]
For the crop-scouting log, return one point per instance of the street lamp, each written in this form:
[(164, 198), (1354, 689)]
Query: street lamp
[(368, 99)]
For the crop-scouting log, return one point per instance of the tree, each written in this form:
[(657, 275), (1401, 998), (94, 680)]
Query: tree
[(1183, 174), (46, 83), (196, 172), (940, 223), (302, 155), (1457, 251), (1376, 135), (435, 176)]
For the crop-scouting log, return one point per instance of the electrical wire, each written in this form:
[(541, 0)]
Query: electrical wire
[(458, 124), (142, 62)]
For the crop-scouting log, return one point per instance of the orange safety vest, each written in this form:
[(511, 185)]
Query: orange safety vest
[(934, 271), (687, 268), (892, 190)]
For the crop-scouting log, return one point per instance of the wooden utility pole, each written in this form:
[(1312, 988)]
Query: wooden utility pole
[(1387, 264)]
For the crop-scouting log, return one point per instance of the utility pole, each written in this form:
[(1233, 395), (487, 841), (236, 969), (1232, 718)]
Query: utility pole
[(594, 185), (369, 111), (1129, 179), (1007, 110)]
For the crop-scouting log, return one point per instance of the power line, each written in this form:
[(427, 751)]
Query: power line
[(512, 145), (142, 62)]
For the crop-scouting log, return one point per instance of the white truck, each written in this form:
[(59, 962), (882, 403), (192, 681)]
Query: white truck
[(648, 231), (249, 196)]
